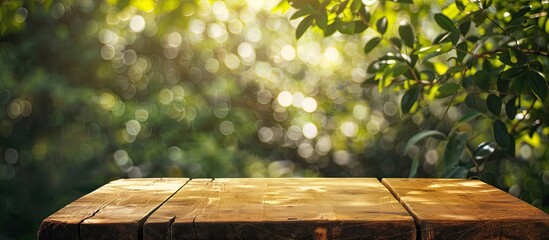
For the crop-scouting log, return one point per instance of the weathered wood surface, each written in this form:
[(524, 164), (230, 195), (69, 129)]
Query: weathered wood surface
[(325, 208), (468, 209), (115, 211)]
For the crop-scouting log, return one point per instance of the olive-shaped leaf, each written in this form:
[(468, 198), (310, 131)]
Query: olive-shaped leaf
[(407, 35), (448, 88), (322, 20), (355, 5), (396, 42), (484, 150), (370, 45), (538, 85), (381, 25), (482, 79), (421, 135), (513, 57), (454, 36), (460, 5), (501, 135), (360, 26), (534, 128), (409, 98), (330, 29), (454, 148), (464, 27), (503, 84), (413, 167), (513, 72), (461, 51), (511, 108), (300, 13), (346, 27), (303, 26), (399, 69), (471, 100), (444, 22), (493, 103)]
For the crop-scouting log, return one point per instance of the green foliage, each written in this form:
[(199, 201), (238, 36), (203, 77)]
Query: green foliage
[(92, 91), (454, 66)]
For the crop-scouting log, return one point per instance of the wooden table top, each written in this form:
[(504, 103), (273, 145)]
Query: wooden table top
[(296, 208)]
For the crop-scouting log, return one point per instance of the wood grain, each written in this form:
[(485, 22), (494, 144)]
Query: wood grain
[(318, 208), (117, 210), (467, 209)]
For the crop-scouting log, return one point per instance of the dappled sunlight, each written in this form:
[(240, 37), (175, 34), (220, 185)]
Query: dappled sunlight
[(100, 90)]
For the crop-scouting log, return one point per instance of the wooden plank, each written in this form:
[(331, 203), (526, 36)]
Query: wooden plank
[(467, 209), (293, 208), (114, 211)]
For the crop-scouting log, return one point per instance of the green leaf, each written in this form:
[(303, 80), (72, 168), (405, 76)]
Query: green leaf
[(341, 7), (513, 57), (360, 26), (538, 85), (534, 128), (482, 79), (503, 84), (453, 150), (409, 98), (471, 100), (346, 27), (430, 49), (403, 1), (455, 69), (519, 82), (413, 167), (381, 25), (478, 17), (406, 34), (525, 9), (303, 4), (421, 135), (303, 26), (398, 69), (454, 36), (493, 103), (460, 5), (330, 29), (356, 5), (511, 108), (457, 172), (434, 50), (486, 3), (501, 135), (513, 72), (448, 88), (322, 20), (461, 51), (300, 13), (365, 13), (396, 42), (484, 150), (464, 27), (444, 22), (370, 45)]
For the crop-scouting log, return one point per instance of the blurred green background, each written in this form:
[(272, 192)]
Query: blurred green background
[(92, 91)]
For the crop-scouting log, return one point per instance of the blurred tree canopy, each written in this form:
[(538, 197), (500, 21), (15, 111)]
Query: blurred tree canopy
[(92, 91)]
